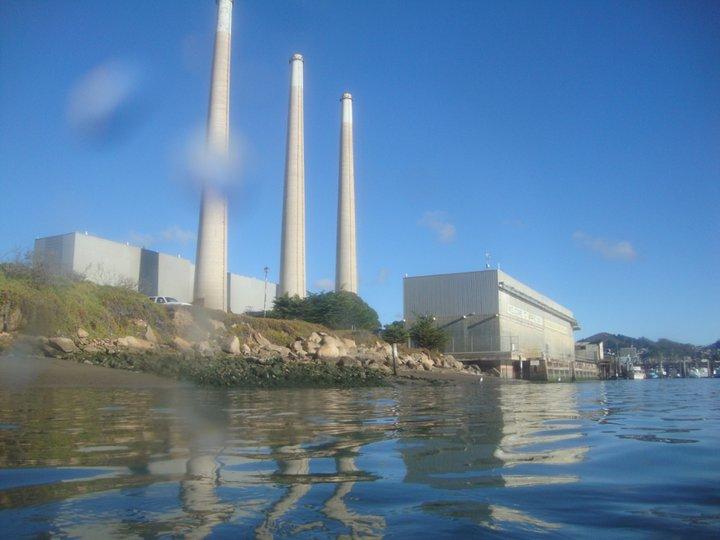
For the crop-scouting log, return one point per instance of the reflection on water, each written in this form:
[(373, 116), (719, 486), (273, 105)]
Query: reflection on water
[(485, 458)]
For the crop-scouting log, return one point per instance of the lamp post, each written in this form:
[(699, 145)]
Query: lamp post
[(266, 269)]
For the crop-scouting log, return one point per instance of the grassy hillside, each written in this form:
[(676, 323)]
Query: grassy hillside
[(35, 303)]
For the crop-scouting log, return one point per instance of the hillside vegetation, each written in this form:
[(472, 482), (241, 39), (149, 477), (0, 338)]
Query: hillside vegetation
[(38, 304)]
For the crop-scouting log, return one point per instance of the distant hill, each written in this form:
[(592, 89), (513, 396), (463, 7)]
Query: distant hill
[(649, 348)]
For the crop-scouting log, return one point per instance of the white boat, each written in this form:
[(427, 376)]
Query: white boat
[(637, 373)]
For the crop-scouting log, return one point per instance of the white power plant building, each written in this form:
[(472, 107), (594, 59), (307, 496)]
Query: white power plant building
[(497, 321), (106, 262)]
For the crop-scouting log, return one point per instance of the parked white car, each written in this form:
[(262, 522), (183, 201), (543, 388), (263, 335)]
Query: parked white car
[(168, 301)]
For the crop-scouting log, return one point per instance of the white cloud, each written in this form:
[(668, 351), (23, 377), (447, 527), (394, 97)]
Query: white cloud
[(172, 235), (619, 250), (437, 222), (324, 284)]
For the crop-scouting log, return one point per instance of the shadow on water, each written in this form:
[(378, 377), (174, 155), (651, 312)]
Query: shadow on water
[(486, 458)]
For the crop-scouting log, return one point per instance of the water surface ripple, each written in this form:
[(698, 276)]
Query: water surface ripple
[(617, 459)]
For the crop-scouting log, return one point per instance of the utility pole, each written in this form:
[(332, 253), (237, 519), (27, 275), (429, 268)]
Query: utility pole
[(265, 298)]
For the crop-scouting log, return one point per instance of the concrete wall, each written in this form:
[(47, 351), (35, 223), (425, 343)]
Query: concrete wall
[(152, 273), (106, 262), (248, 294), (55, 253), (164, 275)]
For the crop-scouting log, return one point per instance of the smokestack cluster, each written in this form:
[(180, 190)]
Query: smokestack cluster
[(211, 261), (292, 251)]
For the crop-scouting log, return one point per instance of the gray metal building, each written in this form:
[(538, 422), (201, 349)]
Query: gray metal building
[(106, 262), (490, 315)]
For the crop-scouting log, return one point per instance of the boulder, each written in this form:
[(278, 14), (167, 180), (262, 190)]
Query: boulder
[(134, 344), (82, 333), (297, 346), (216, 325), (231, 345), (349, 344), (314, 338), (426, 363), (349, 361), (181, 344), (204, 349), (245, 350), (328, 352), (279, 349), (258, 338), (151, 336), (62, 344)]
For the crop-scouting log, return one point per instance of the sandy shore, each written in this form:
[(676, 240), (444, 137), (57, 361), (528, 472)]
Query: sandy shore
[(18, 371)]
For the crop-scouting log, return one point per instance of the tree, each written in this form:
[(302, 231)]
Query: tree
[(426, 335), (336, 310), (395, 332)]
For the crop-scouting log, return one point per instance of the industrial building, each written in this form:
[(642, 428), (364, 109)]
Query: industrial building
[(106, 262), (500, 323)]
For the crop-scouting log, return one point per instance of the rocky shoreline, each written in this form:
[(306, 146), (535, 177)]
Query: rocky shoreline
[(219, 350)]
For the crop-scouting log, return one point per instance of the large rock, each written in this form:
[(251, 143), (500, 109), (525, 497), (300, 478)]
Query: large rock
[(328, 352), (349, 344), (314, 338), (279, 349), (427, 363), (151, 336), (216, 325), (349, 361), (231, 345), (204, 349), (180, 344), (259, 339), (82, 333), (134, 344), (62, 344)]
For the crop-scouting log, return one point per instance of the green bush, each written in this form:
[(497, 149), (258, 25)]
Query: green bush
[(336, 310), (395, 332), (426, 335)]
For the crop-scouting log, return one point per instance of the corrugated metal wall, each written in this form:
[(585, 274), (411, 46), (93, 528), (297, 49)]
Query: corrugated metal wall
[(450, 295), (519, 326)]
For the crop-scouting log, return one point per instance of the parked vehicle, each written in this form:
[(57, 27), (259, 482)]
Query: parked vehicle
[(168, 301)]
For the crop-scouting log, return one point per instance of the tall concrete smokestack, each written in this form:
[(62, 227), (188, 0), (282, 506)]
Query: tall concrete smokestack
[(211, 258), (292, 252), (346, 262)]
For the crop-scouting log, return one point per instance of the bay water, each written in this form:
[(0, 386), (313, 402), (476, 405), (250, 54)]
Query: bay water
[(620, 459)]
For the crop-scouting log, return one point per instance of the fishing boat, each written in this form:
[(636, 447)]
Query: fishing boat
[(638, 373)]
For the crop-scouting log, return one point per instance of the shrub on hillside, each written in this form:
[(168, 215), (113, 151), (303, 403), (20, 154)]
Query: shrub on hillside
[(395, 332), (336, 310), (426, 335)]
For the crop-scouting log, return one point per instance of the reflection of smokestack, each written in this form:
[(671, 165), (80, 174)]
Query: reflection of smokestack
[(211, 257), (346, 262), (292, 253)]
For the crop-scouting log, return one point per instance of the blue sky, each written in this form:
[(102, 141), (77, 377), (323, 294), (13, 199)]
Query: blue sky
[(576, 142)]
